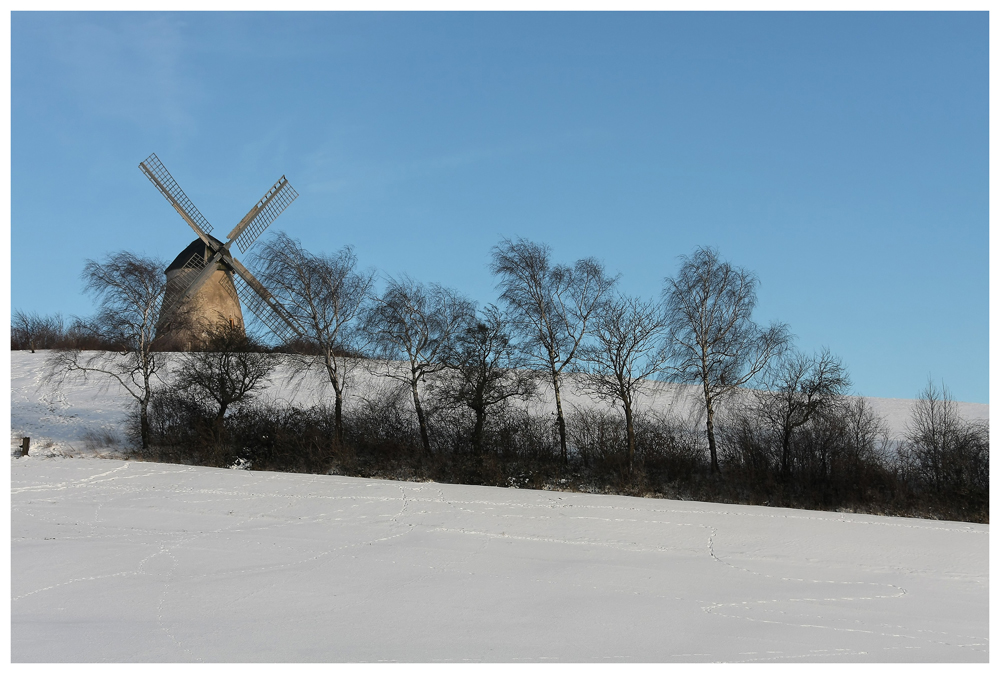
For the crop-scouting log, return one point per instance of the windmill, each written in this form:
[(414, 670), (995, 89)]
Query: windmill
[(205, 282)]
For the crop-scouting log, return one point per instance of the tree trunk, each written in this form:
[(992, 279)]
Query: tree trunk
[(560, 420), (338, 422), (144, 423), (786, 438), (477, 434), (147, 393), (338, 404), (220, 423), (710, 427), (421, 420), (630, 435)]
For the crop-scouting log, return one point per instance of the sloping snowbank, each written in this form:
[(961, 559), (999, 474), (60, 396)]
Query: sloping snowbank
[(128, 561), (57, 420)]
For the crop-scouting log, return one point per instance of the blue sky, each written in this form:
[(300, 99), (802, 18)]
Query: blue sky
[(842, 157)]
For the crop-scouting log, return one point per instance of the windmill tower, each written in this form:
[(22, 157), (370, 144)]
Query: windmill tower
[(215, 303), (205, 282)]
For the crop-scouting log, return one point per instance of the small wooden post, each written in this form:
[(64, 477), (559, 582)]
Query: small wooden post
[(25, 444)]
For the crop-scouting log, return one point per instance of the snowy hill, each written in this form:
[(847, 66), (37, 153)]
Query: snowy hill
[(130, 561), (58, 420)]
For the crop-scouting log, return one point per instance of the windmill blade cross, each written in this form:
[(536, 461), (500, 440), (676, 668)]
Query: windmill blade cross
[(168, 187), (198, 271), (264, 212)]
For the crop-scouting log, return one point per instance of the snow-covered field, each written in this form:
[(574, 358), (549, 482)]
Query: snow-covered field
[(127, 561)]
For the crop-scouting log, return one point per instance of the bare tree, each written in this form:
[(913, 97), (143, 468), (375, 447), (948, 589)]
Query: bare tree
[(552, 306), (416, 324), (230, 371), (713, 339), (868, 435), (486, 369), (798, 388), (31, 331), (947, 453), (325, 294), (128, 289), (629, 349), (83, 334)]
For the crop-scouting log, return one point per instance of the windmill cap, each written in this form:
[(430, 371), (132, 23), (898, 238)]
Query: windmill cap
[(196, 247)]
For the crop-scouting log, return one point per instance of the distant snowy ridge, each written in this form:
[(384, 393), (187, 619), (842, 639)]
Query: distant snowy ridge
[(58, 420)]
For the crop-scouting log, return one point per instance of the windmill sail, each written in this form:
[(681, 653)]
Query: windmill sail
[(168, 187), (264, 212), (263, 304)]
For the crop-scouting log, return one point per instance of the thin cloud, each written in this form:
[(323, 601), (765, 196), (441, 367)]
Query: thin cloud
[(131, 69)]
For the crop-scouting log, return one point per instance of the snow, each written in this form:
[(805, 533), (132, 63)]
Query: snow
[(129, 561)]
